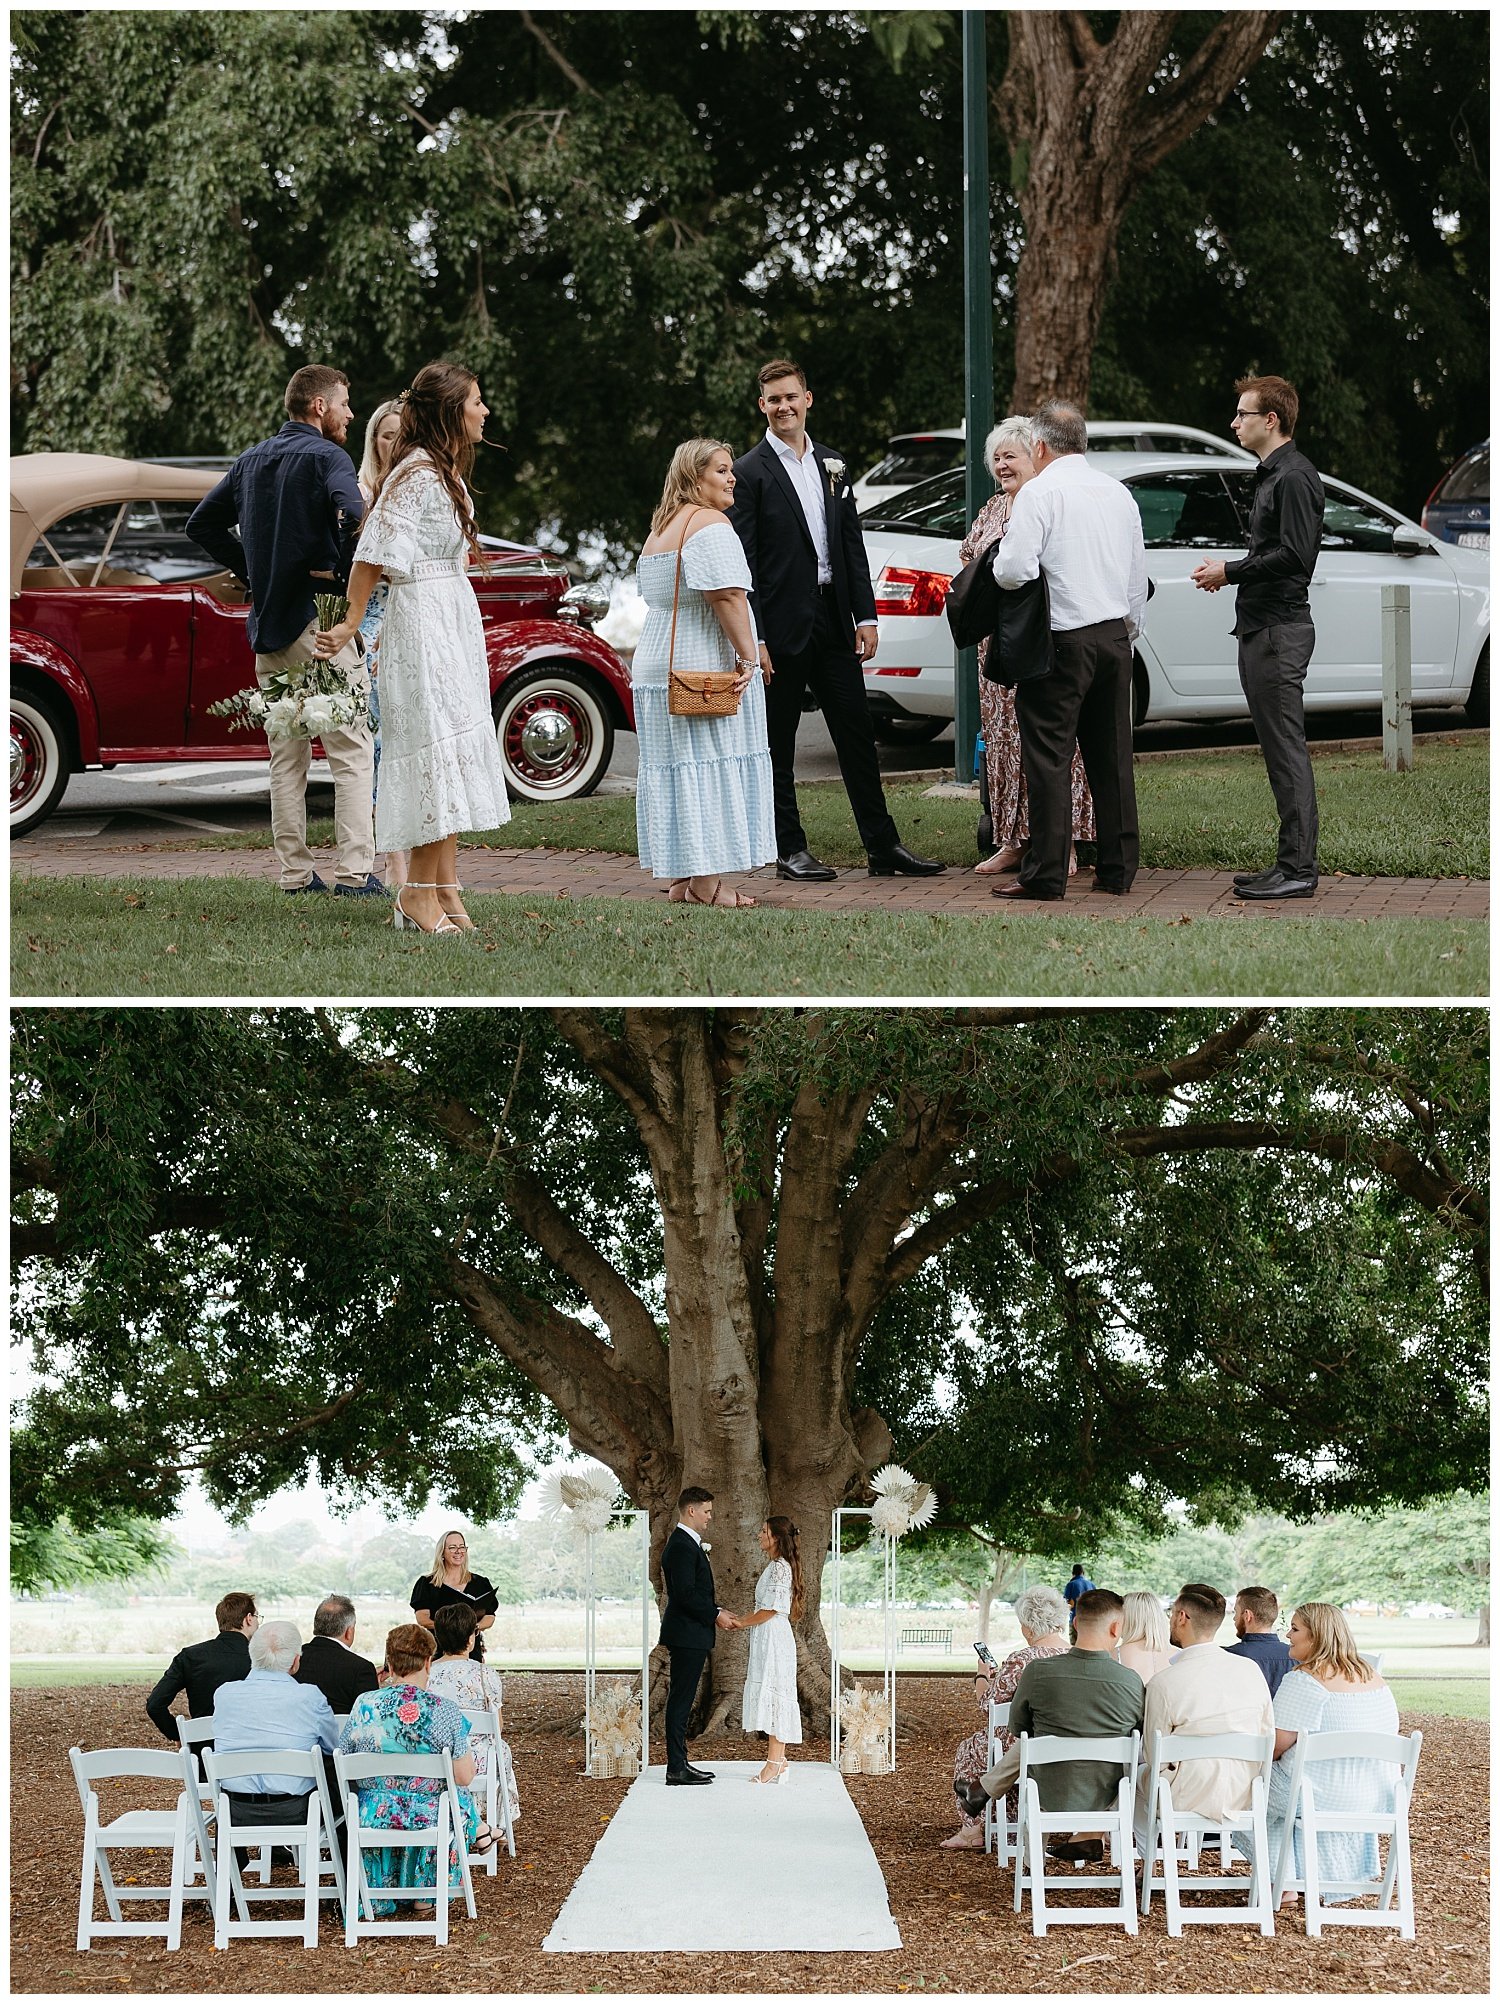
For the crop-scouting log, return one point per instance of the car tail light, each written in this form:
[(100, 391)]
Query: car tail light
[(920, 593)]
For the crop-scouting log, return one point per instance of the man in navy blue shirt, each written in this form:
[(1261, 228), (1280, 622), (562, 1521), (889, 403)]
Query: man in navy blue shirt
[(1255, 1612), (285, 519)]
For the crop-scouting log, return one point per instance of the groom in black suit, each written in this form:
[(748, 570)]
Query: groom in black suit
[(794, 512), (687, 1625)]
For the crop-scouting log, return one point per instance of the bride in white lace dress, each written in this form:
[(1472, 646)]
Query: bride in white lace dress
[(440, 771), (770, 1701)]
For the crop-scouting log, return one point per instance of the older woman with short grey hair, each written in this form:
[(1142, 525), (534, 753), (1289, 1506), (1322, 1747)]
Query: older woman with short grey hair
[(1007, 455), (1042, 1615)]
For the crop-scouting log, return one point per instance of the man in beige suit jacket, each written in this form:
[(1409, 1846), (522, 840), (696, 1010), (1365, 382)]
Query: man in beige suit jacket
[(1203, 1690)]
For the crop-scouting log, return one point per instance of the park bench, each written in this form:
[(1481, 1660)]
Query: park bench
[(926, 1638)]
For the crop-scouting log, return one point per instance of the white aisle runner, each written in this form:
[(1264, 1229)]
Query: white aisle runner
[(730, 1866)]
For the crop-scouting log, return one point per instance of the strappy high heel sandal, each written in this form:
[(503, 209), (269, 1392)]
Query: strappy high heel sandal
[(459, 919), (404, 922), (772, 1780)]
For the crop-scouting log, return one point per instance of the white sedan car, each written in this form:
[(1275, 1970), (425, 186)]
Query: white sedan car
[(1186, 660)]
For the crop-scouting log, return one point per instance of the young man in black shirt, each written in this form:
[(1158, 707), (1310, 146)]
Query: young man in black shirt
[(1273, 624)]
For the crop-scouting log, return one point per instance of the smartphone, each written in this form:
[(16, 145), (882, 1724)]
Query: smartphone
[(981, 1650)]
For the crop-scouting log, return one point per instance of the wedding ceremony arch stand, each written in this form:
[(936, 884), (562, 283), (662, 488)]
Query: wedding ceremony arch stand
[(590, 1641), (888, 1606)]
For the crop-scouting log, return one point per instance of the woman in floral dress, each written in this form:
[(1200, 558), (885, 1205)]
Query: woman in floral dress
[(475, 1688), (1007, 454), (1043, 1616), (404, 1718)]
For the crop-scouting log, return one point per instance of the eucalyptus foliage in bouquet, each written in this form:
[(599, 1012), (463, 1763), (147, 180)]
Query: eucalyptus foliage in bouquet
[(300, 702)]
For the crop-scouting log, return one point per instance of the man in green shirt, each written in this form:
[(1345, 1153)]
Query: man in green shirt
[(1084, 1694)]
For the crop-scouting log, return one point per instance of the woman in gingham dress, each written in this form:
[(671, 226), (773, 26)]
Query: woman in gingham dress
[(1042, 1614), (703, 789), (1007, 455)]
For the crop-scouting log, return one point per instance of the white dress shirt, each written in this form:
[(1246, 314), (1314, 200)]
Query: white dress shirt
[(811, 485), (689, 1529), (1083, 529)]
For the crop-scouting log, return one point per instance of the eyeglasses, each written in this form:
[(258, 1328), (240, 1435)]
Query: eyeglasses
[(1239, 413)]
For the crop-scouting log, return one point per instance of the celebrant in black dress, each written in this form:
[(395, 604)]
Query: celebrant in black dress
[(451, 1584)]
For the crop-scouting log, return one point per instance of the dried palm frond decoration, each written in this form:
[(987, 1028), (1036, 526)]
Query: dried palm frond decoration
[(614, 1725), (584, 1495), (864, 1724), (902, 1503)]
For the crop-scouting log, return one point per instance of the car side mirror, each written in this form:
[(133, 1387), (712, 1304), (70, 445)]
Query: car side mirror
[(583, 603), (1409, 542)]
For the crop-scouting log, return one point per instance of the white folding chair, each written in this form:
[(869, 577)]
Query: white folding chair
[(1034, 1825), (314, 1835), (359, 1915), (197, 1735), (496, 1795), (1400, 1751), (999, 1836), (1173, 1835), (133, 1830)]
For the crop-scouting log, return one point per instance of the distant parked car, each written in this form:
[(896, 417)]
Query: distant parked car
[(123, 632), (914, 456), (1458, 508), (1185, 664)]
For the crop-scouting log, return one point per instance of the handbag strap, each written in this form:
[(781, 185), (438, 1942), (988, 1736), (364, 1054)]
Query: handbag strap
[(676, 591)]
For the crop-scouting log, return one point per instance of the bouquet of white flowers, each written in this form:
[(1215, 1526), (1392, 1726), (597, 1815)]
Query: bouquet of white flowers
[(300, 702)]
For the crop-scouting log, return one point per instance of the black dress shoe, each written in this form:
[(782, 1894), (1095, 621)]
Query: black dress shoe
[(805, 868), (900, 862), (1256, 876), (1028, 892), (1277, 884), (686, 1777), (701, 1772), (1078, 1850), (1110, 890)]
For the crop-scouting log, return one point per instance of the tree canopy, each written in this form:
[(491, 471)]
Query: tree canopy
[(614, 217)]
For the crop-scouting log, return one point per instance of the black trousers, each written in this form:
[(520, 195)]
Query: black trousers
[(682, 1688), (1084, 701), (1273, 668), (829, 667)]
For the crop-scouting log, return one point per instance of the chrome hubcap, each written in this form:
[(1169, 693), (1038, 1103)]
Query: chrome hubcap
[(548, 739)]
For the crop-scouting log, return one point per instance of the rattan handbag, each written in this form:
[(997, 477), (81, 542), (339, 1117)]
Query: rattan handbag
[(696, 692)]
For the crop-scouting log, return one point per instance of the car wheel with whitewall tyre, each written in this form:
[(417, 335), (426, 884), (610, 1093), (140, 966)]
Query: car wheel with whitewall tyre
[(40, 762), (555, 732)]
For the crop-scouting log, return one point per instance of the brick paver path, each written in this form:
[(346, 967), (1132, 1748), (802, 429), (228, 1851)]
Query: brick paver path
[(553, 873)]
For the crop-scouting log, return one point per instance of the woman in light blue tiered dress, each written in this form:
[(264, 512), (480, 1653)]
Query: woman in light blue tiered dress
[(1330, 1689), (703, 791)]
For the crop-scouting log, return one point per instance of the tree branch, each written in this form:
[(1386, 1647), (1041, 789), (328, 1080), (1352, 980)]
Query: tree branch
[(555, 55)]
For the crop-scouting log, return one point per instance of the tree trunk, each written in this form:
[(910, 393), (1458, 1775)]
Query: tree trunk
[(1086, 122), (1482, 1639), (1006, 1566)]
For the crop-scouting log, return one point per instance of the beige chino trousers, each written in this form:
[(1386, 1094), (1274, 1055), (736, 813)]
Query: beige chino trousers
[(351, 760)]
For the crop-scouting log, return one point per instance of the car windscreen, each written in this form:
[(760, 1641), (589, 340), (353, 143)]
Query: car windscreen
[(912, 459), (936, 508), (1469, 480)]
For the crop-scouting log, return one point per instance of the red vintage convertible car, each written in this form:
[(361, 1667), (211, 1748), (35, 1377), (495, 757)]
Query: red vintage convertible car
[(123, 633)]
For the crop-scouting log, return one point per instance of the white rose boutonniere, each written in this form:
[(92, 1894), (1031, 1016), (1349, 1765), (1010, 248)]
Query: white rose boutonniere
[(707, 1546), (834, 468)]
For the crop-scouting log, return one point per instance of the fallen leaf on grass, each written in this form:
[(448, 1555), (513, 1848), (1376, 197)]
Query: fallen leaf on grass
[(169, 949)]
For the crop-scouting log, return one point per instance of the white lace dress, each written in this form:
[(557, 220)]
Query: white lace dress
[(770, 1702), (440, 767)]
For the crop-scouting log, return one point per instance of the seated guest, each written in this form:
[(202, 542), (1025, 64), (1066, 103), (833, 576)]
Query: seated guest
[(473, 1687), (202, 1667), (1255, 1612), (1084, 1694), (1203, 1691), (269, 1711), (451, 1584), (1042, 1615), (329, 1660), (405, 1718), (1144, 1644), (1330, 1688)]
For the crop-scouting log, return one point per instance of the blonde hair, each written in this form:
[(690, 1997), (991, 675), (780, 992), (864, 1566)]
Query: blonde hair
[(1334, 1647), (1145, 1623), (1009, 431), (436, 1575), (689, 463), (369, 471)]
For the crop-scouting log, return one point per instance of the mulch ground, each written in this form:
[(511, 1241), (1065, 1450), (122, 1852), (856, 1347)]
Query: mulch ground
[(953, 1908)]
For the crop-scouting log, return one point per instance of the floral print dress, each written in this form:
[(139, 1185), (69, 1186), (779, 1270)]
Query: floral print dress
[(973, 1757), (405, 1719), (1010, 817)]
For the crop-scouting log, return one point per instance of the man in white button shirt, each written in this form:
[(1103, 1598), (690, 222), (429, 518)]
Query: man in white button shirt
[(1080, 529), (815, 608)]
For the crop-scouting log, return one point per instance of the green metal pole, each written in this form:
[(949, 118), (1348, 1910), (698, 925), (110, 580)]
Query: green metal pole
[(979, 361)]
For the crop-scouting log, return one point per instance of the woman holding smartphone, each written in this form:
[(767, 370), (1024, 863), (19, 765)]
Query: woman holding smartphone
[(1043, 1617)]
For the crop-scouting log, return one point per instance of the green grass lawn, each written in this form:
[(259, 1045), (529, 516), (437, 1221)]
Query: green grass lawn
[(1467, 1698), (1197, 813), (215, 936)]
